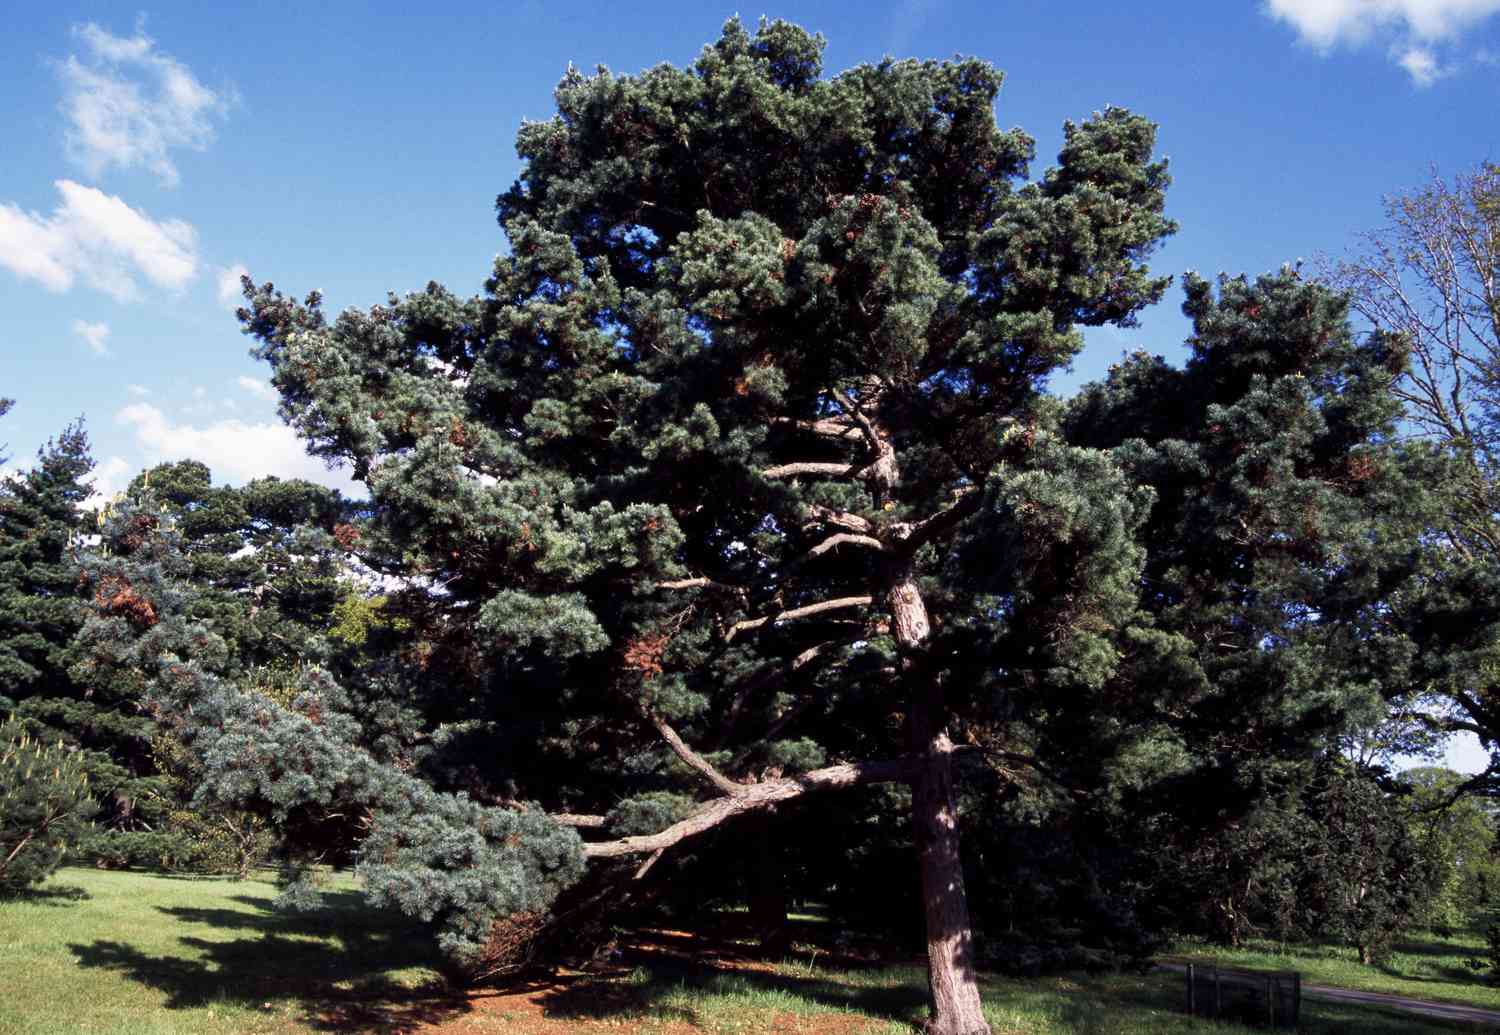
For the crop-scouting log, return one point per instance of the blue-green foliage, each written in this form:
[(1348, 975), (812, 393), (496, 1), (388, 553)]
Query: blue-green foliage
[(475, 863)]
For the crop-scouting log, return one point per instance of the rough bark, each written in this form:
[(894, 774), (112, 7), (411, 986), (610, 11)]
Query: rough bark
[(956, 1008)]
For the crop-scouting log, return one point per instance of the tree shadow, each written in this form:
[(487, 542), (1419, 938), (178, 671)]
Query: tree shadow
[(52, 895), (653, 974), (320, 960)]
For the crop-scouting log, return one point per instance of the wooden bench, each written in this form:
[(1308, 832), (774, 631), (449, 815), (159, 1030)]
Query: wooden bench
[(1273, 997)]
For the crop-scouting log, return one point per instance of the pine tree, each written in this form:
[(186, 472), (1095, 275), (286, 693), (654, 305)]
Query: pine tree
[(748, 422), (42, 607), (40, 523)]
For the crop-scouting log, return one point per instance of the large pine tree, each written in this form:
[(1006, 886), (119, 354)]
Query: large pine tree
[(748, 416)]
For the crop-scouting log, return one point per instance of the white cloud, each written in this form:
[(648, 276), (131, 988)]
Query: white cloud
[(229, 285), (110, 478), (1422, 65), (95, 334), (235, 450), (1411, 30), (139, 391), (128, 104), (99, 238), (258, 388)]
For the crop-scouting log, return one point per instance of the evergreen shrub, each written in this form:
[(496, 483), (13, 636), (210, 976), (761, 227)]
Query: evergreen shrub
[(45, 807)]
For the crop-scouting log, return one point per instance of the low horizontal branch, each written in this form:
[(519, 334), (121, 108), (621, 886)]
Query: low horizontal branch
[(758, 796)]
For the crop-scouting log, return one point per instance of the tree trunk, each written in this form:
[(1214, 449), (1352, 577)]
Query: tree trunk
[(951, 979), (767, 887)]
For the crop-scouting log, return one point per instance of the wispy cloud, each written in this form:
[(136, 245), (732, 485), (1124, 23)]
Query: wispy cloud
[(230, 290), (129, 105), (1418, 35), (96, 237), (109, 479), (257, 388), (95, 335)]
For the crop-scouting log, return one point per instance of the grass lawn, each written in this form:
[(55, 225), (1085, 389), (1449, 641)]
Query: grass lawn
[(1424, 966), (118, 953)]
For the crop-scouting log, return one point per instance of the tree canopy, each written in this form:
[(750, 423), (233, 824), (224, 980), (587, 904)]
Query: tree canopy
[(738, 483)]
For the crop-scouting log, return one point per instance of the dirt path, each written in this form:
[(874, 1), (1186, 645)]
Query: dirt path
[(1425, 1007), (1391, 1001)]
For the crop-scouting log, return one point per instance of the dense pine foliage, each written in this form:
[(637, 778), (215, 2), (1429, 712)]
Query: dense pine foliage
[(727, 547)]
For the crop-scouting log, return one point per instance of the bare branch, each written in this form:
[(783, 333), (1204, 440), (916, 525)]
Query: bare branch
[(696, 762), (573, 819), (827, 427), (796, 612), (810, 467), (700, 582), (758, 796), (768, 676), (818, 514), (645, 867), (843, 538), (943, 522)]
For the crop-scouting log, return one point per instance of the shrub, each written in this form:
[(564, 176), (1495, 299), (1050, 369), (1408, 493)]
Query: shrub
[(44, 807)]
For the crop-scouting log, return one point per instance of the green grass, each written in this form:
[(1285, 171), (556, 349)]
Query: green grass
[(891, 1001), (109, 953), (1424, 966), (113, 953)]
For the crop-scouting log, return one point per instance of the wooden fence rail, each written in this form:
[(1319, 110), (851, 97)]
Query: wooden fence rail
[(1272, 997)]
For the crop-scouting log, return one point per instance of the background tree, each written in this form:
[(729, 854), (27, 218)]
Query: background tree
[(1428, 283), (42, 527), (1457, 840), (1283, 524), (1431, 280)]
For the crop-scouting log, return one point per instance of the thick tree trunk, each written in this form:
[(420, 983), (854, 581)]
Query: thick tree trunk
[(767, 887), (951, 978)]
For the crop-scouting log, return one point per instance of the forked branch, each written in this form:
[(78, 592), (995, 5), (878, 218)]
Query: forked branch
[(758, 796)]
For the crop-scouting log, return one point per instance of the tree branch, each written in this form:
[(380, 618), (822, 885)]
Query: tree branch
[(839, 539), (819, 514), (573, 819), (827, 427), (696, 762), (811, 467), (758, 796), (943, 522), (796, 612)]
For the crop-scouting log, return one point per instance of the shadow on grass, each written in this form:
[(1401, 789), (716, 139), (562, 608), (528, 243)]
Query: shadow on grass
[(659, 971), (53, 895), (319, 960)]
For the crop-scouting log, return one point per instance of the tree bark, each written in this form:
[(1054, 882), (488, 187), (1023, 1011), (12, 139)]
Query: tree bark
[(951, 978)]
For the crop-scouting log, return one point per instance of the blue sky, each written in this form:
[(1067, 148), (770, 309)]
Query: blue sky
[(358, 149)]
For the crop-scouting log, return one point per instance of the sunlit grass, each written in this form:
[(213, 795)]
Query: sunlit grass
[(1424, 965), (155, 955)]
